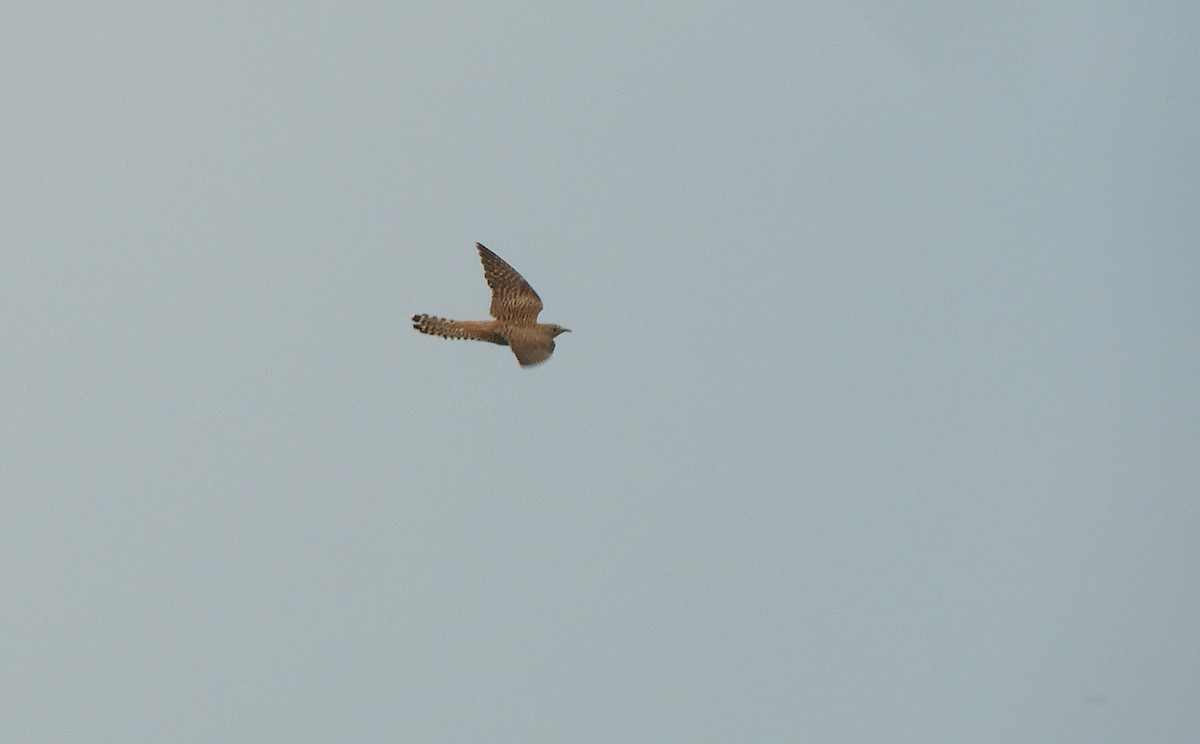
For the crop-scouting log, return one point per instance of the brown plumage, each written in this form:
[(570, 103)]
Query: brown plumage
[(515, 307)]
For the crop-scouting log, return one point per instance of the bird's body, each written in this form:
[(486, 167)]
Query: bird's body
[(515, 307)]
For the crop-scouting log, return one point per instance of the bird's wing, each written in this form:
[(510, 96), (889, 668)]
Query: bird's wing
[(531, 348), (512, 297)]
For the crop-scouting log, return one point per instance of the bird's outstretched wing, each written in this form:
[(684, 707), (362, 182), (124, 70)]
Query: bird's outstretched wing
[(513, 299)]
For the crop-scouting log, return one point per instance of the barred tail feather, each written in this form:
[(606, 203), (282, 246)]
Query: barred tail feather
[(475, 330)]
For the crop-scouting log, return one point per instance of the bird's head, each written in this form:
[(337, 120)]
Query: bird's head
[(557, 329)]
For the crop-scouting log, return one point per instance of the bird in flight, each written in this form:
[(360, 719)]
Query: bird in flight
[(515, 307)]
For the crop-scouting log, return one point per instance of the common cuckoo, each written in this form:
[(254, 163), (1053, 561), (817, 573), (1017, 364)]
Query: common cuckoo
[(515, 307)]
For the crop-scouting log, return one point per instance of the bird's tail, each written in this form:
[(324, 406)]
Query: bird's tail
[(475, 330)]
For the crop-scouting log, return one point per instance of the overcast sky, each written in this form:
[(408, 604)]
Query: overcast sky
[(880, 420)]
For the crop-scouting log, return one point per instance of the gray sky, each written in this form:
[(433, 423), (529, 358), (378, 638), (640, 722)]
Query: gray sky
[(880, 420)]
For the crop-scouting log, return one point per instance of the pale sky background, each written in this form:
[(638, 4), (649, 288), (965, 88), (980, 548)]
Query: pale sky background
[(880, 421)]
